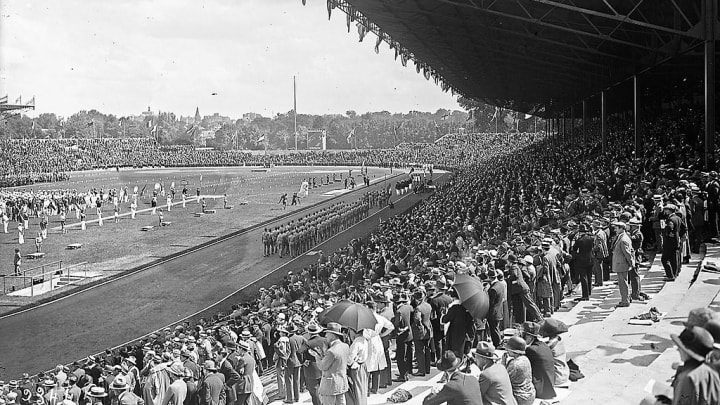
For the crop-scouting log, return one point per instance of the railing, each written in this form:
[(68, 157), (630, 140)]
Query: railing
[(13, 282)]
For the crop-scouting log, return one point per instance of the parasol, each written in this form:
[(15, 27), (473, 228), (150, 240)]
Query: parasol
[(349, 314), (472, 295)]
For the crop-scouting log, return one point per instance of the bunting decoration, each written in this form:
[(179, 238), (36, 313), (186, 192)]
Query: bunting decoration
[(350, 135), (18, 101), (4, 99), (31, 102), (365, 26)]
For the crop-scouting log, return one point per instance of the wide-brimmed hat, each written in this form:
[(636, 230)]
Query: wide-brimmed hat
[(119, 383), (695, 341), (243, 345), (97, 392), (246, 333), (334, 328), (486, 349), (713, 326), (131, 360), (449, 361), (552, 327), (516, 344), (177, 369), (381, 298), (699, 317), (671, 207), (48, 382), (313, 328)]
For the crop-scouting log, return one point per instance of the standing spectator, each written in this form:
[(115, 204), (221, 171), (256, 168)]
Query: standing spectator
[(17, 261), (177, 391), (246, 369), (38, 242), (292, 374), (21, 234), (357, 369), (496, 294), (212, 388), (333, 364), (404, 339), (671, 242), (623, 260), (421, 332), (312, 373), (583, 261), (461, 330)]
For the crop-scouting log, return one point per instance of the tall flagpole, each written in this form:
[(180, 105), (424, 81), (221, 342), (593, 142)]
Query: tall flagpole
[(295, 111)]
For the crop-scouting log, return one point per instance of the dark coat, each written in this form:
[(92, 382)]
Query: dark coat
[(461, 329), (497, 295), (461, 389), (211, 388), (543, 369)]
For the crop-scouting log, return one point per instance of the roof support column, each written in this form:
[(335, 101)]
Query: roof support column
[(584, 118), (603, 121), (709, 17), (563, 127), (636, 117), (572, 122)]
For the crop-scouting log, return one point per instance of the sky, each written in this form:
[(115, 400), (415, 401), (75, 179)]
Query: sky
[(122, 56)]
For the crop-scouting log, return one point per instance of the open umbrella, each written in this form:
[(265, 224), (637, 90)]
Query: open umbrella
[(349, 314), (472, 295)]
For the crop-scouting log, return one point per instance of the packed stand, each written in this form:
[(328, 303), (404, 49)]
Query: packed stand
[(525, 221)]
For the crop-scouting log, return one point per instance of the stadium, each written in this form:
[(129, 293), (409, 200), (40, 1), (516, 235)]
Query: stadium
[(556, 242)]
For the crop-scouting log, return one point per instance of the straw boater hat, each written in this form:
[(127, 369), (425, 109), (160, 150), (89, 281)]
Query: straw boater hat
[(177, 369), (97, 392), (243, 345), (486, 350), (119, 383), (313, 328), (209, 365)]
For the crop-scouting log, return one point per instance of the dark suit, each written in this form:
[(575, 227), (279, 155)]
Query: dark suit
[(461, 389), (496, 294), (312, 372), (439, 304), (543, 369), (404, 339), (461, 329), (582, 262), (231, 378)]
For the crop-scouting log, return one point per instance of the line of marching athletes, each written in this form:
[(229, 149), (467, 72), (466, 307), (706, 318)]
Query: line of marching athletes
[(300, 235)]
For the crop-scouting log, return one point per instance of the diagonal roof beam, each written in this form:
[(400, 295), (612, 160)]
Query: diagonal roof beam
[(549, 25), (618, 17)]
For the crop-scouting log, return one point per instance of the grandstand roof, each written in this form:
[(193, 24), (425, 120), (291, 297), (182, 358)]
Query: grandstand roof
[(536, 56)]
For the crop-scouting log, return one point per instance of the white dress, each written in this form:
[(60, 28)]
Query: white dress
[(21, 236)]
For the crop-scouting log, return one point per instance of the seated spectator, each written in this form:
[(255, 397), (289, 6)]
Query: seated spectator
[(494, 381), (541, 361), (519, 371), (551, 329)]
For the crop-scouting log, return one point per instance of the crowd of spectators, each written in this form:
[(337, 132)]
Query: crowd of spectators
[(527, 218), (29, 161)]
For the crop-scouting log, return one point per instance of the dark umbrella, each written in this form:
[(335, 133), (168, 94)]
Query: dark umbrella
[(349, 314), (472, 295)]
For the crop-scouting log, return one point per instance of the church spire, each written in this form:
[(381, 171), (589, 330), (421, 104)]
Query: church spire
[(197, 114)]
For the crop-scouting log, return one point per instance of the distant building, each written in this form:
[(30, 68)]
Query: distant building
[(249, 117), (147, 113), (197, 115)]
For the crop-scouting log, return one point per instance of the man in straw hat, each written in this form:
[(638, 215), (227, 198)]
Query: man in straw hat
[(177, 391), (121, 391), (333, 364), (460, 389), (317, 344), (245, 367), (494, 380)]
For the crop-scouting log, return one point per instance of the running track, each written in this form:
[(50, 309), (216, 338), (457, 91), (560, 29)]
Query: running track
[(126, 308)]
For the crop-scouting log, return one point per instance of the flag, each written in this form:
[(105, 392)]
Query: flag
[(91, 123), (120, 121), (350, 135), (32, 101), (361, 31), (377, 43), (33, 125), (471, 115), (4, 99), (528, 116), (190, 130), (261, 139), (19, 100), (445, 116), (494, 117), (154, 130), (149, 124)]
